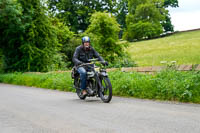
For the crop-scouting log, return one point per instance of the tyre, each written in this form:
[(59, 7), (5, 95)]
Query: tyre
[(80, 95), (106, 90), (78, 90)]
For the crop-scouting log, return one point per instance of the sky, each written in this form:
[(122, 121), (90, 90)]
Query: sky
[(186, 16)]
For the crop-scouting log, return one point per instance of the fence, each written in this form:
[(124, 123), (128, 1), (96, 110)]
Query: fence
[(153, 69), (150, 70)]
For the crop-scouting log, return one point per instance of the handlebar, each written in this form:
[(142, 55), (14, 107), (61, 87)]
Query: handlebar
[(87, 64), (95, 59)]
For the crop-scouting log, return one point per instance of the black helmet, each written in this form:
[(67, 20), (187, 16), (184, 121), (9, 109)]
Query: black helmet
[(85, 39)]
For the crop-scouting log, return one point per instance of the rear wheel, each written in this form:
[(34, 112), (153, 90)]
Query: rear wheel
[(80, 95), (78, 90), (106, 90)]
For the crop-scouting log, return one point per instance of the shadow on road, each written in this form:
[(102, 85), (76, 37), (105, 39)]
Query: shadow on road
[(87, 100)]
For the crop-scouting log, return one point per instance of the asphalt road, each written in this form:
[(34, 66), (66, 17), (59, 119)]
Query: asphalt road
[(36, 110)]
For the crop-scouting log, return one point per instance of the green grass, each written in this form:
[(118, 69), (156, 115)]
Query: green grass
[(166, 85), (184, 48), (56, 81)]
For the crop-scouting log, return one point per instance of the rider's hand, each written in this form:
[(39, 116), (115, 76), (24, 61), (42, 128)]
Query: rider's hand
[(105, 63), (79, 63)]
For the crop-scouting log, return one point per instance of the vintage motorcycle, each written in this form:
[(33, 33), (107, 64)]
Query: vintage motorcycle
[(97, 81)]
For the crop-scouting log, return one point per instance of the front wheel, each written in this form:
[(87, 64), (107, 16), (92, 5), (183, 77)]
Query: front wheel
[(106, 90)]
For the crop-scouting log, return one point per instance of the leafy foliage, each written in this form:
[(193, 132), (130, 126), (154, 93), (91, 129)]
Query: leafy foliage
[(143, 30), (11, 27), (144, 19), (1, 61), (171, 3), (104, 31), (167, 24), (40, 44), (65, 39), (77, 13), (69, 48), (122, 11), (33, 43)]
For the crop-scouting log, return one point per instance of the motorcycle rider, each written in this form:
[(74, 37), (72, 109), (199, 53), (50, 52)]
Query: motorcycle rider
[(81, 55)]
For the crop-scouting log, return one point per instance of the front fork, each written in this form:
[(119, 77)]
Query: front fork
[(98, 83)]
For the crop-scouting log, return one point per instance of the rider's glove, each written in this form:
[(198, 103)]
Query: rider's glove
[(105, 63), (79, 63)]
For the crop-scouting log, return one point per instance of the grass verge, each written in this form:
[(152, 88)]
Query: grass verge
[(167, 85), (55, 81)]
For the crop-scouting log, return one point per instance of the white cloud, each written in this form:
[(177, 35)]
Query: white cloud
[(186, 20), (188, 5), (186, 16)]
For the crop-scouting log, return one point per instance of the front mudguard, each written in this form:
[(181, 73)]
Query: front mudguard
[(99, 77), (103, 74)]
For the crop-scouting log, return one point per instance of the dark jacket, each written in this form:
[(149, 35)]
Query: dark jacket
[(82, 56)]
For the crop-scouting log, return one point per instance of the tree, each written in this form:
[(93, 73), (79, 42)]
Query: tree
[(104, 31), (171, 3), (40, 45), (122, 11), (76, 13), (167, 24), (143, 20), (11, 27), (1, 60), (67, 39), (29, 41)]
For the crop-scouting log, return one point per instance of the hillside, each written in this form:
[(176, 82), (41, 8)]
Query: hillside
[(183, 47)]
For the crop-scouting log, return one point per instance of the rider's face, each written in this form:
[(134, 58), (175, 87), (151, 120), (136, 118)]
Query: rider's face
[(86, 44)]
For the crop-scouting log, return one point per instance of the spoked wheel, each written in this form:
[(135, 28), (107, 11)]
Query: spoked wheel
[(80, 95), (78, 90), (106, 90)]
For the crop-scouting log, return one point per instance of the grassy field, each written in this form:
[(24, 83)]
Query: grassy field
[(184, 48)]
